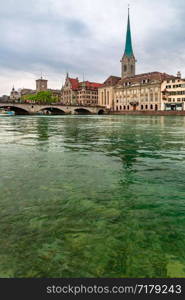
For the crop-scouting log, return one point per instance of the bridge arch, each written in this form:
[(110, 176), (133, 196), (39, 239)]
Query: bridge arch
[(18, 110), (82, 111), (101, 112), (51, 110)]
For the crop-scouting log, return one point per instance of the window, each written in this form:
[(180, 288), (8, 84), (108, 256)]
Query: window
[(125, 68), (108, 97), (151, 106), (146, 106), (141, 107)]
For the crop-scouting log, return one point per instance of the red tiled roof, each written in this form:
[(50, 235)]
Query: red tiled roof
[(89, 84), (74, 83)]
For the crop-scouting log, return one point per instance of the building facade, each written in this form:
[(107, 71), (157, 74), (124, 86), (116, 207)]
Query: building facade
[(132, 91), (56, 94), (75, 92), (173, 94), (140, 92), (14, 95), (106, 92)]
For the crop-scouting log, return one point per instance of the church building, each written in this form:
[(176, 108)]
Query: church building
[(132, 91)]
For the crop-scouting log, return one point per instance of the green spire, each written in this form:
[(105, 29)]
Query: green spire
[(128, 46)]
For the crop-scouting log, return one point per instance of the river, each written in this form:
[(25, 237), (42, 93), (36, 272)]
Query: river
[(92, 196)]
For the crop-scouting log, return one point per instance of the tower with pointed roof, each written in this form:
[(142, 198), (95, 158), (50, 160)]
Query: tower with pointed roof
[(128, 61)]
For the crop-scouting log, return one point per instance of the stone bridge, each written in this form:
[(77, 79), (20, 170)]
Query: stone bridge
[(56, 109)]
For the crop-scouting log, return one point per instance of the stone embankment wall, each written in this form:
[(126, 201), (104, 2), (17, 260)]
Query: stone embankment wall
[(150, 113)]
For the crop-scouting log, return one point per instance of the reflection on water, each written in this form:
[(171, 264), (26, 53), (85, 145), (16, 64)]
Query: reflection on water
[(92, 196)]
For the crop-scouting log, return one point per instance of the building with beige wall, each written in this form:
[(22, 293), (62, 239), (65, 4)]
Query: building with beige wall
[(132, 91), (75, 92), (173, 94), (140, 92), (14, 95), (106, 92)]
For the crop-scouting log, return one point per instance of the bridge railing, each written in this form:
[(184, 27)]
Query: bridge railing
[(49, 104)]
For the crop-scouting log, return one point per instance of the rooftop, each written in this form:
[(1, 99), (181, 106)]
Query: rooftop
[(146, 76), (78, 85)]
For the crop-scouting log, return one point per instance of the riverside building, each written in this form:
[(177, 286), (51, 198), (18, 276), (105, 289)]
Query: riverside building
[(75, 92), (131, 91), (14, 95), (173, 94)]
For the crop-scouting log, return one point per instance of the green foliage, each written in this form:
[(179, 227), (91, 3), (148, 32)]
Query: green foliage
[(175, 268), (41, 97)]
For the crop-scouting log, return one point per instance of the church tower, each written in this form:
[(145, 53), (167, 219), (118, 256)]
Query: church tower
[(41, 85), (128, 60)]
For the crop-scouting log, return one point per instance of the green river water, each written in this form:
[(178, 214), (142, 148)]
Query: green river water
[(92, 196)]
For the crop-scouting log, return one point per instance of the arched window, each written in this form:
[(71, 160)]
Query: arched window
[(108, 97), (120, 107), (125, 68), (128, 107), (146, 106), (124, 107), (141, 107), (151, 106)]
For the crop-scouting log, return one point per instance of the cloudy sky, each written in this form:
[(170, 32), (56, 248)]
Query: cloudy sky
[(86, 36)]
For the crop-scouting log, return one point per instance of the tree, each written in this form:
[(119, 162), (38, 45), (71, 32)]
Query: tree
[(43, 97)]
